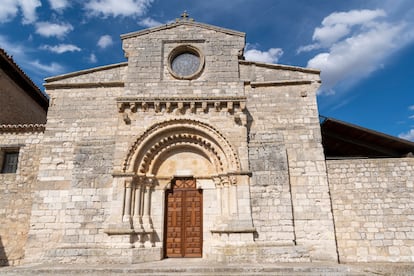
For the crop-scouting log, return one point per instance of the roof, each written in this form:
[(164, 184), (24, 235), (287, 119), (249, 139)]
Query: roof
[(344, 140), (10, 67), (183, 22), (84, 72)]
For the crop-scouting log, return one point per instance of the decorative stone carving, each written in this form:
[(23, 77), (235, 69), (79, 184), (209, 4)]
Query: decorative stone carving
[(181, 131), (232, 105)]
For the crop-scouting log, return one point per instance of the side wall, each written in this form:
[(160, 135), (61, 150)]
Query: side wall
[(16, 107), (373, 209), (289, 189), (15, 195)]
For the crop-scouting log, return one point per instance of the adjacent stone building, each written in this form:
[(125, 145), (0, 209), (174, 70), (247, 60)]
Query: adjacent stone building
[(188, 150), (23, 109)]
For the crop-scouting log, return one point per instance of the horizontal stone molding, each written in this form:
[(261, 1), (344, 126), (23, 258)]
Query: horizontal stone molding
[(280, 83), (233, 230), (168, 105), (22, 128), (280, 66), (83, 85), (127, 231)]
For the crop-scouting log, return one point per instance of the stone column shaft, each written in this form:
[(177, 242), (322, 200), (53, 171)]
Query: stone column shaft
[(225, 197), (127, 202), (233, 197), (137, 219)]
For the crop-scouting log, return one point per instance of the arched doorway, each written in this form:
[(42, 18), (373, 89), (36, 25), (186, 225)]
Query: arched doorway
[(179, 189)]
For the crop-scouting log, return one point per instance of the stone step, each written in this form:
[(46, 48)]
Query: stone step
[(196, 266), (180, 268)]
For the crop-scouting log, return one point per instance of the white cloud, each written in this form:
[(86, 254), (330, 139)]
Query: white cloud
[(114, 8), (10, 8), (149, 22), (92, 58), (58, 5), (270, 56), (48, 29), (411, 107), (61, 48), (353, 17), (105, 41), (409, 135), (29, 10), (50, 69), (17, 50), (357, 43)]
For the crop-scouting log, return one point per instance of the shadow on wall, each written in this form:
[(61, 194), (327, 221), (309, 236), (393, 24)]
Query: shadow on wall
[(3, 257)]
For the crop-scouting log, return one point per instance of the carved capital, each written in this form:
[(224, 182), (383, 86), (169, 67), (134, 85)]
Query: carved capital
[(233, 180), (225, 180), (217, 181)]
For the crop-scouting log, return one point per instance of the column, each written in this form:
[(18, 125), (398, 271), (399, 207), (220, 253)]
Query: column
[(127, 203), (137, 219), (146, 219), (217, 182), (233, 195), (225, 198)]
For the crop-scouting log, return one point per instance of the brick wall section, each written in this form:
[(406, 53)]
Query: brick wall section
[(15, 196), (16, 107), (373, 209)]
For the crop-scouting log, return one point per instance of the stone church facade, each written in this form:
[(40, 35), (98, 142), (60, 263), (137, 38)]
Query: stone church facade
[(188, 150)]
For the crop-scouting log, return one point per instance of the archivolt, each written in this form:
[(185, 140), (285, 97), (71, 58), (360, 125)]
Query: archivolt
[(169, 134)]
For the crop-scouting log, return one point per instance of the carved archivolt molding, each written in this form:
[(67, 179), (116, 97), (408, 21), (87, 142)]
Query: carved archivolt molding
[(177, 141), (173, 134)]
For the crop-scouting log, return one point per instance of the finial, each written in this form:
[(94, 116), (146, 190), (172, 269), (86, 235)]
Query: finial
[(184, 15)]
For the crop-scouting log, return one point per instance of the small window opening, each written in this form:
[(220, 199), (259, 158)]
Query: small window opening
[(10, 160)]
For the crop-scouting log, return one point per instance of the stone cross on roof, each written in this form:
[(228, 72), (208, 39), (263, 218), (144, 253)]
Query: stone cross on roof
[(185, 17)]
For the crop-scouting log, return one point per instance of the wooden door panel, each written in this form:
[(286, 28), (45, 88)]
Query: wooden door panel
[(174, 224), (193, 227), (184, 220)]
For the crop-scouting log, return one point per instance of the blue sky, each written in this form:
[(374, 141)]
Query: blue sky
[(365, 49)]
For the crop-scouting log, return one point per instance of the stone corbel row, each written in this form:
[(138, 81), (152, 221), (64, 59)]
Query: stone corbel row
[(236, 106)]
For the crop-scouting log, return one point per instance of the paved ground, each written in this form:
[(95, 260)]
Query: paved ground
[(199, 267)]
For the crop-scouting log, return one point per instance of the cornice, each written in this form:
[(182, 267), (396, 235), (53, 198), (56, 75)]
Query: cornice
[(22, 128), (281, 66), (51, 86)]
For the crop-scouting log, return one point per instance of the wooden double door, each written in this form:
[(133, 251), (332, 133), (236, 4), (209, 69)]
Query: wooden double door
[(184, 220)]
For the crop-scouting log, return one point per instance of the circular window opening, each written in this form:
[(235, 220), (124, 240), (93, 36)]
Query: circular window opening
[(185, 62)]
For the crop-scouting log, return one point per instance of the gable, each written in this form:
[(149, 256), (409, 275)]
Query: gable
[(183, 23)]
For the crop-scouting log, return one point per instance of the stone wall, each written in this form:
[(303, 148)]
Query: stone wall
[(72, 197), (15, 194), (373, 208), (284, 129), (16, 107), (148, 51)]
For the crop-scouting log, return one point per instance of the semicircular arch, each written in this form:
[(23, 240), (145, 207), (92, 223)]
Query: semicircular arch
[(175, 133)]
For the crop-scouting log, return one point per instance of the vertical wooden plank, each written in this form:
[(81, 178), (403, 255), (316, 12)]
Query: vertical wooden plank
[(184, 229)]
